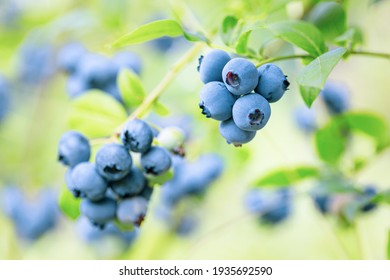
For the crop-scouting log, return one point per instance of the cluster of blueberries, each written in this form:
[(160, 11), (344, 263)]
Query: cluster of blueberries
[(113, 187), (346, 203), (336, 100), (270, 206), (190, 181), (31, 217), (238, 94), (4, 98), (89, 70)]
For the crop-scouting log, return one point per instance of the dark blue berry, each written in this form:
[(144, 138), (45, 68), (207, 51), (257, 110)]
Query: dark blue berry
[(131, 185), (76, 86), (113, 161), (211, 65), (156, 161), (137, 136), (235, 135), (251, 112), (132, 210), (368, 193), (69, 57), (272, 82), (240, 76), (335, 97), (216, 101), (73, 148), (305, 119), (86, 181), (99, 212)]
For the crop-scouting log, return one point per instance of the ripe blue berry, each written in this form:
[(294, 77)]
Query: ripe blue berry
[(69, 57), (368, 193), (146, 192), (73, 148), (86, 181), (235, 135), (132, 210), (127, 60), (99, 212), (305, 119), (131, 185), (137, 136), (156, 161), (272, 83), (76, 86), (322, 202), (240, 76), (211, 65), (216, 101), (251, 112), (335, 97), (113, 162)]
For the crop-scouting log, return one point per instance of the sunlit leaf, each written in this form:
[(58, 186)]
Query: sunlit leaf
[(131, 88), (69, 205)]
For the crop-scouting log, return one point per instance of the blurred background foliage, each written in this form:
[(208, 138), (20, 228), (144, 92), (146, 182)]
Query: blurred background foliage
[(39, 112)]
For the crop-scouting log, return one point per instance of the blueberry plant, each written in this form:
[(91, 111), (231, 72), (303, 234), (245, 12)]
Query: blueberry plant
[(124, 169)]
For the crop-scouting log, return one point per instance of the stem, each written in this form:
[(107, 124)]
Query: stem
[(373, 54), (287, 57), (163, 85)]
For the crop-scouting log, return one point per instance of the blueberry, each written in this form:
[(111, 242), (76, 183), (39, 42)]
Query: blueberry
[(187, 224), (235, 135), (96, 70), (305, 119), (272, 82), (11, 200), (335, 97), (240, 76), (322, 201), (4, 98), (251, 112), (211, 65), (131, 185), (368, 193), (99, 212), (113, 161), (127, 60), (69, 57), (137, 136), (70, 184), (132, 210), (156, 161), (87, 182), (76, 86), (146, 192), (216, 101), (90, 233), (73, 148)]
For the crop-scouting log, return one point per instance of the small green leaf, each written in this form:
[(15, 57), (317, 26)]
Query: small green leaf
[(150, 31), (330, 141), (160, 109), (383, 197), (371, 125), (242, 42), (131, 88), (160, 179), (287, 176), (313, 77), (195, 36), (229, 24), (301, 34), (123, 226), (69, 205), (330, 18), (96, 114)]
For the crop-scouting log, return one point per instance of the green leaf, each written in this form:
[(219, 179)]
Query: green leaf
[(229, 24), (242, 42), (123, 226), (313, 77), (330, 18), (371, 125), (195, 36), (301, 34), (69, 205), (131, 88), (383, 197), (96, 114), (330, 141), (160, 179), (150, 31), (160, 109), (352, 37), (287, 176)]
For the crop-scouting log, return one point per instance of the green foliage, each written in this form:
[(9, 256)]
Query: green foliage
[(157, 29), (131, 88), (313, 77), (160, 179), (69, 205), (331, 140), (287, 176), (330, 18), (96, 114), (351, 38), (228, 29)]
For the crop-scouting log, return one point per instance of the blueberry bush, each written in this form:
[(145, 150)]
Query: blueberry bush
[(107, 150)]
